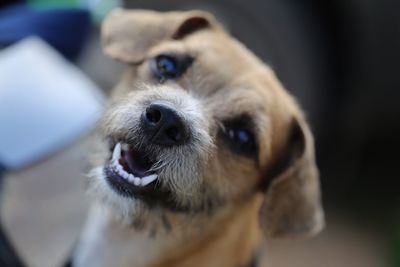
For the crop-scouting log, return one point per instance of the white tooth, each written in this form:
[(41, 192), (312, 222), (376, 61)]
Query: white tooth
[(125, 175), (121, 173), (117, 152), (136, 181), (119, 168), (125, 147), (131, 178), (148, 179)]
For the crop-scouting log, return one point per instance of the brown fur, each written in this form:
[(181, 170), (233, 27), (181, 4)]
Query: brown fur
[(276, 194)]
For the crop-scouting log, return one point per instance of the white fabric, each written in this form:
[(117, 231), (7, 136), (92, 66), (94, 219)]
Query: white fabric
[(45, 103)]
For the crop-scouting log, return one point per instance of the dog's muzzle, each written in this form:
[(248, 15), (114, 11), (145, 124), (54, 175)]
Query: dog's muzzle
[(131, 170), (159, 147)]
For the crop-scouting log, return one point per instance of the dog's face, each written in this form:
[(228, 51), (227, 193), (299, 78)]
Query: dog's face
[(198, 124)]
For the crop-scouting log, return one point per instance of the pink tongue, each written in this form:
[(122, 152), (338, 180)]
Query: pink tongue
[(135, 163)]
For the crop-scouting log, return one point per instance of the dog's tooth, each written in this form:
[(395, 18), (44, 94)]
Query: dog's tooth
[(117, 152), (121, 173), (148, 179), (136, 181), (131, 178), (125, 147), (118, 165)]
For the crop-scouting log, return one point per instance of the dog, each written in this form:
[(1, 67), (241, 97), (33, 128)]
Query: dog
[(203, 152)]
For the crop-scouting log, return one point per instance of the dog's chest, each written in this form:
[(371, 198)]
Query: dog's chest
[(103, 245), (106, 244)]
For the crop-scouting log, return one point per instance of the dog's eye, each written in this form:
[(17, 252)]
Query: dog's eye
[(239, 137), (241, 140), (165, 67)]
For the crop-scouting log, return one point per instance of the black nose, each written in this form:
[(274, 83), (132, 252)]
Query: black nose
[(164, 126)]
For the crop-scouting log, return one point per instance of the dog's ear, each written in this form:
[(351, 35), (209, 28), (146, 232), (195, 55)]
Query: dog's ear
[(292, 204), (128, 34)]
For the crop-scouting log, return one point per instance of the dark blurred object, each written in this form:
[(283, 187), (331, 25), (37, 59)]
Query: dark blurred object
[(2, 170), (4, 3), (340, 58), (394, 248), (8, 255), (359, 142), (64, 29)]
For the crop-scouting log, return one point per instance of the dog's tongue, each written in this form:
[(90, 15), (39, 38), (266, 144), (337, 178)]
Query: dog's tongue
[(135, 163)]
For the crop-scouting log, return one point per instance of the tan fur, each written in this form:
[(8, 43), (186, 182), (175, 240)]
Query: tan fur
[(225, 80)]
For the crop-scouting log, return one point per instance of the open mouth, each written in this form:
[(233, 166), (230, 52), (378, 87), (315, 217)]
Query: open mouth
[(129, 171)]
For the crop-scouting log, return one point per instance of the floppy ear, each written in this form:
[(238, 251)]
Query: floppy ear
[(292, 204), (128, 34)]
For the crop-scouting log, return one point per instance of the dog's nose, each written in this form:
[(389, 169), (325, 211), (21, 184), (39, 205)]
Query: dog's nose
[(164, 126)]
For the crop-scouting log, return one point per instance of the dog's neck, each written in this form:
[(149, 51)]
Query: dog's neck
[(228, 239)]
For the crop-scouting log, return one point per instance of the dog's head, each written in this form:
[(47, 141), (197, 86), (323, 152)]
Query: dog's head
[(198, 123)]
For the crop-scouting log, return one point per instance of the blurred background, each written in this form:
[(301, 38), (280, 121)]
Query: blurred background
[(340, 58)]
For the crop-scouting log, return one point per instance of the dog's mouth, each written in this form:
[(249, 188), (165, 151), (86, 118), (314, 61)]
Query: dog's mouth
[(130, 171), (133, 173)]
